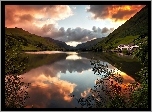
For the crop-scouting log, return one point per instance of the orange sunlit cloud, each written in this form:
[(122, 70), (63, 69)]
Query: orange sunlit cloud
[(114, 12), (15, 14)]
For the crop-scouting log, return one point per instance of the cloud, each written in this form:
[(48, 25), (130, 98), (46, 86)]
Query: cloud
[(114, 12), (74, 7), (16, 14), (101, 32), (111, 29), (106, 30), (70, 35), (94, 29)]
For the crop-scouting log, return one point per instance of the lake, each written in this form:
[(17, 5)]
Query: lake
[(55, 76)]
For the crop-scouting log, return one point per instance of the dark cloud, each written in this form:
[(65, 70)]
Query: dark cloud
[(99, 11), (78, 34), (106, 30), (122, 14), (94, 29), (115, 12)]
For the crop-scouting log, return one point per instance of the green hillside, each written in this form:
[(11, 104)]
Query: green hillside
[(30, 41), (127, 32)]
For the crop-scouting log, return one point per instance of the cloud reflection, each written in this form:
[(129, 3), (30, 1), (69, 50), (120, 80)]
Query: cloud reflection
[(46, 90), (85, 93), (73, 57)]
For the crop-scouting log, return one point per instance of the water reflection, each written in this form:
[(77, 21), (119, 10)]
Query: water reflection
[(53, 84), (73, 57), (49, 91)]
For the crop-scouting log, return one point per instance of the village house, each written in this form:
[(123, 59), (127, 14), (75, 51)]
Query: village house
[(128, 47)]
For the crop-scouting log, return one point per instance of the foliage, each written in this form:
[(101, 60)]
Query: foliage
[(14, 64), (142, 53), (15, 92)]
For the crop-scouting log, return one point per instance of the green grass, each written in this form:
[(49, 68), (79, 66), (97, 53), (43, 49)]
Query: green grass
[(126, 40), (29, 47)]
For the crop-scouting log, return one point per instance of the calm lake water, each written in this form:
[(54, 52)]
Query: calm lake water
[(53, 82)]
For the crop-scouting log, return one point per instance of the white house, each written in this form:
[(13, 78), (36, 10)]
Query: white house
[(128, 47)]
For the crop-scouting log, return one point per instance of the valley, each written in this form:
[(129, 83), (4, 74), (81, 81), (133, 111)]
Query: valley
[(100, 72)]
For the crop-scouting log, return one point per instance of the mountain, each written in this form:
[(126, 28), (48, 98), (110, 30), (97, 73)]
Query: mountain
[(30, 41), (60, 44), (88, 45), (127, 32)]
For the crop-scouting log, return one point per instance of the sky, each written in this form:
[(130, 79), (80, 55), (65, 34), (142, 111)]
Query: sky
[(73, 24)]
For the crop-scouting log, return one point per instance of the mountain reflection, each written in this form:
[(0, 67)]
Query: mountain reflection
[(53, 84)]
